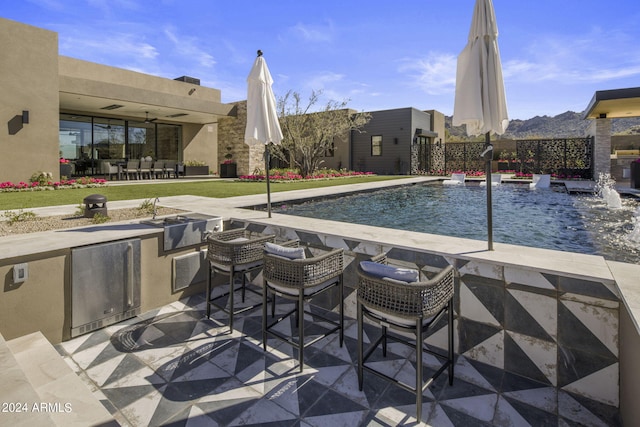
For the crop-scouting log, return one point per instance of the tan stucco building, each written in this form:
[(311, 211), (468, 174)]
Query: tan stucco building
[(60, 107), (75, 118)]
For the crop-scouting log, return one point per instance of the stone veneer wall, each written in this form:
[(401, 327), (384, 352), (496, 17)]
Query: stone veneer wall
[(601, 129), (231, 140), (561, 332)]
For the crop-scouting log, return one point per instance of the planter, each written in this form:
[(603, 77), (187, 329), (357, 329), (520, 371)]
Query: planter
[(228, 170), (196, 170), (65, 170), (635, 175)]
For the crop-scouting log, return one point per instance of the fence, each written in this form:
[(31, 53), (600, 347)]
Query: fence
[(565, 157)]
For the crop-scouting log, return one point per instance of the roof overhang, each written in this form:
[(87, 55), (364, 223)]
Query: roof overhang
[(129, 109), (613, 104)]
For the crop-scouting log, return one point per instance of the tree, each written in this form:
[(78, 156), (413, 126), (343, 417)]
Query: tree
[(309, 134)]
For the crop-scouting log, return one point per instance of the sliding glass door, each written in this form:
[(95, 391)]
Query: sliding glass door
[(86, 143)]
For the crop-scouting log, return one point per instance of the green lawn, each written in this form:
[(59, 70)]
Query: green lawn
[(207, 188)]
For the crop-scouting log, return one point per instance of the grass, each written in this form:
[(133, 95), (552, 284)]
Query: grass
[(206, 188)]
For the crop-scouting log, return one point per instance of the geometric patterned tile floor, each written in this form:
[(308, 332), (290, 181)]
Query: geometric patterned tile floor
[(175, 367)]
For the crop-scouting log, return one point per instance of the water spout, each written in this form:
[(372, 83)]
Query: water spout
[(634, 236), (606, 188)]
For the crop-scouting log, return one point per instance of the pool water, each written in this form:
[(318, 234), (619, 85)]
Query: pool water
[(543, 218)]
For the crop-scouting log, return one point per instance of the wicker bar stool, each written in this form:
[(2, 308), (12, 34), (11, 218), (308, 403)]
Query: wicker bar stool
[(289, 274), (394, 298), (234, 252)]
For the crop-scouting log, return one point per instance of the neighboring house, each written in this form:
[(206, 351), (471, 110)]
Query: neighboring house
[(403, 141)]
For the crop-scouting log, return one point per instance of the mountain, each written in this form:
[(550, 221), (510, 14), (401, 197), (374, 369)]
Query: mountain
[(566, 125)]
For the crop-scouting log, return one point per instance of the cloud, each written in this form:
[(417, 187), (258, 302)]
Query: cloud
[(120, 45), (56, 5), (570, 60), (108, 5), (188, 47), (314, 33), (435, 74)]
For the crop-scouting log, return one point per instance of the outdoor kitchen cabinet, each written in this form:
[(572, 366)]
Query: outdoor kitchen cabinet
[(105, 284)]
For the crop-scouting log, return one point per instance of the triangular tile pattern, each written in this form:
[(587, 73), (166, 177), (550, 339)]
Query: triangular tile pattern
[(179, 368), (509, 317)]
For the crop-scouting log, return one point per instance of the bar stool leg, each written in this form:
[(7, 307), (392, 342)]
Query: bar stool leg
[(360, 345), (341, 293), (450, 313), (231, 305), (419, 345), (208, 296), (301, 329), (264, 315)]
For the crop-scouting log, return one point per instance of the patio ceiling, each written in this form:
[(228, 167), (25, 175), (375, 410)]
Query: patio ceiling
[(73, 102), (616, 103)]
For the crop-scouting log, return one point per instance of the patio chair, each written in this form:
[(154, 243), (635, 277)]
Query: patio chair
[(395, 298), (169, 169), (157, 169), (109, 170), (234, 253), (145, 169), (456, 179), (540, 181), (496, 179), (132, 169), (287, 273)]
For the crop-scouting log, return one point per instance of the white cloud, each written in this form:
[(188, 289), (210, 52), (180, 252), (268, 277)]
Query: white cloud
[(576, 60), (188, 47), (120, 45), (314, 33), (435, 74)]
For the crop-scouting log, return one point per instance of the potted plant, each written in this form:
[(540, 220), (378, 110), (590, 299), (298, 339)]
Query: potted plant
[(503, 161), (228, 168), (635, 173), (65, 168), (195, 167)]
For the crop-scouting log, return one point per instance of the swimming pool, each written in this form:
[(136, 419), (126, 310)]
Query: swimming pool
[(543, 218)]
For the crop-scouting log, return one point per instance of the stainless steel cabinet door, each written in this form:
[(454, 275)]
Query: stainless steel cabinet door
[(105, 280)]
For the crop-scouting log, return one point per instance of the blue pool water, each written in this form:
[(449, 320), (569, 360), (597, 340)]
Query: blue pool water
[(543, 218)]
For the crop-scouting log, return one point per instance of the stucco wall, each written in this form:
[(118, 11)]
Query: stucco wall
[(199, 142), (43, 301), (104, 79), (28, 81)]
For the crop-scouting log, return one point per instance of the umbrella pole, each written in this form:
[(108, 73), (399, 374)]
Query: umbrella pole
[(489, 203), (266, 167)]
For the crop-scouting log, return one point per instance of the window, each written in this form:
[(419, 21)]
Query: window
[(329, 150), (376, 145), (87, 141)]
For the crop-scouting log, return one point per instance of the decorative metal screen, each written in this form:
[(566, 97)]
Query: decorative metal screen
[(464, 157), (565, 158)]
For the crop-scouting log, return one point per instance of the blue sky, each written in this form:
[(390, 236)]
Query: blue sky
[(377, 54)]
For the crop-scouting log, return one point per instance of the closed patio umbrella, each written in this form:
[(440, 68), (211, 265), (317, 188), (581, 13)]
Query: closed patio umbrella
[(263, 126), (480, 101)]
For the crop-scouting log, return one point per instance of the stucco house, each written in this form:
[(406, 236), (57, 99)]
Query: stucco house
[(74, 118)]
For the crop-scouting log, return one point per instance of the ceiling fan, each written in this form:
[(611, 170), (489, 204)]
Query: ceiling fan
[(148, 120)]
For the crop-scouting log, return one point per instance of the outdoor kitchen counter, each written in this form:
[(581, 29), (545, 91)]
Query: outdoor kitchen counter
[(21, 245)]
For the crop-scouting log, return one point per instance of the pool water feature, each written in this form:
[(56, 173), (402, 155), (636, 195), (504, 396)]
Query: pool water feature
[(606, 188), (544, 218)]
